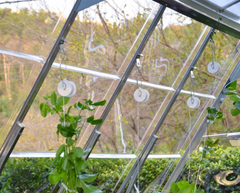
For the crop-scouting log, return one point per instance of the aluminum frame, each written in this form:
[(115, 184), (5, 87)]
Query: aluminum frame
[(217, 20)]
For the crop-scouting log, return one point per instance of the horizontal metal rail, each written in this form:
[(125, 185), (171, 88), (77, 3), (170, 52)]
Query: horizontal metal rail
[(99, 74), (94, 155)]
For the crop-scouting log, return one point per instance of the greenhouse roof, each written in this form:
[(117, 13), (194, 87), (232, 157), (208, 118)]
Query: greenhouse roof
[(180, 54)]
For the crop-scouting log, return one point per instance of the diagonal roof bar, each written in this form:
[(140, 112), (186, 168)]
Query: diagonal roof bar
[(132, 175), (92, 139), (17, 127), (201, 130)]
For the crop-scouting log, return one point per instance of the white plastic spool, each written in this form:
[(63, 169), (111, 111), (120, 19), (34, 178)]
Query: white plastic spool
[(214, 67), (66, 88), (141, 95), (193, 102)]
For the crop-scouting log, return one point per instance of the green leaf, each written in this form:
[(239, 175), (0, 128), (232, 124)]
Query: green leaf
[(55, 176), (234, 98), (78, 152), (174, 188), (219, 115), (66, 164), (53, 98), (100, 103), (44, 108), (60, 150), (69, 108), (235, 112), (183, 184), (71, 157), (97, 122), (80, 164), (66, 131), (232, 85), (212, 110), (90, 188), (62, 101), (90, 119), (237, 105), (88, 177), (230, 93), (78, 106)]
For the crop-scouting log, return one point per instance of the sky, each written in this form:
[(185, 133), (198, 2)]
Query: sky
[(63, 8)]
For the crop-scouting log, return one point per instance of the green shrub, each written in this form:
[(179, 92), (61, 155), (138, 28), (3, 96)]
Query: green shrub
[(26, 175), (29, 175)]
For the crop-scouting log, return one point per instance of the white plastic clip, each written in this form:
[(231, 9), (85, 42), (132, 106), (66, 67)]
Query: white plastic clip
[(192, 75)]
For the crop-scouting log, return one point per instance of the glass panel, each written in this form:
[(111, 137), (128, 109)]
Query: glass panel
[(221, 3), (235, 9), (168, 48), (123, 134), (17, 78), (103, 36)]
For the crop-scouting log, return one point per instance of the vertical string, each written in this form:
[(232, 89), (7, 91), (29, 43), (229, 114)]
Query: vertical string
[(189, 130), (120, 123)]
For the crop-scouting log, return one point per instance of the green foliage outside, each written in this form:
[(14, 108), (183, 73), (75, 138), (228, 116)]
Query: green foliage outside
[(31, 175)]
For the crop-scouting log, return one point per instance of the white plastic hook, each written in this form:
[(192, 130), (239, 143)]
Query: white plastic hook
[(97, 47), (162, 60)]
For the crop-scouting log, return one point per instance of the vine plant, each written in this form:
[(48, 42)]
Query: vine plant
[(70, 168)]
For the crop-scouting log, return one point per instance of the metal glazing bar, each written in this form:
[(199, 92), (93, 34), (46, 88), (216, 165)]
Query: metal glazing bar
[(205, 15), (13, 135), (90, 143), (222, 135), (201, 130), (170, 104), (230, 4)]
